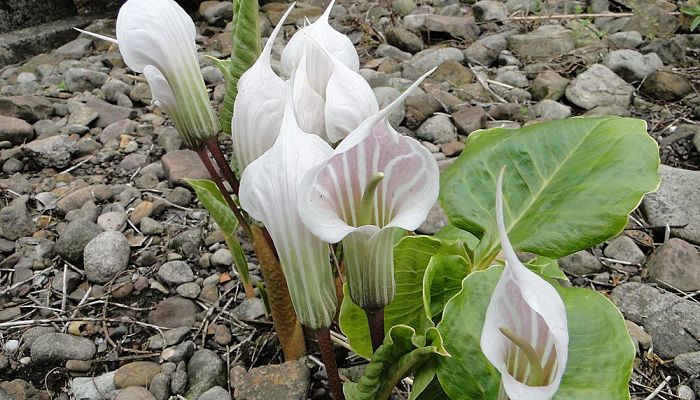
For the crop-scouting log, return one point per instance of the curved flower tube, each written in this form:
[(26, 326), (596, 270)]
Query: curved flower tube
[(525, 335), (157, 37), (376, 181), (259, 106), (269, 192)]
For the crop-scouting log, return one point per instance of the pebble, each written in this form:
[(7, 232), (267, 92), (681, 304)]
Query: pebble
[(173, 312), (688, 362), (15, 221), (632, 65), (685, 392), (179, 165), (149, 226), (134, 393), (112, 221), (105, 256), (623, 248), (222, 335), (676, 265), (178, 379), (676, 202), (59, 347), (175, 273), (79, 197), (671, 321), (250, 309), (543, 43), (221, 258), (599, 86), (15, 130), (204, 371), (137, 373), (437, 129), (189, 290), (178, 353), (171, 336), (160, 386), (71, 244), (215, 393), (51, 152), (581, 263), (289, 381), (11, 346), (94, 388)]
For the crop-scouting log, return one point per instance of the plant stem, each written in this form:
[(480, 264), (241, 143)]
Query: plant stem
[(204, 156), (375, 320), (213, 145), (323, 336)]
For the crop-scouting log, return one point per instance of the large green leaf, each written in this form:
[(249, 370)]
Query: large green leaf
[(425, 383), (402, 352), (411, 257), (211, 198), (600, 350), (442, 280), (569, 184), (246, 48)]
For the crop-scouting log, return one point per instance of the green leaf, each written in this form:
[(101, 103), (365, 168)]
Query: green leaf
[(546, 267), (442, 280), (223, 66), (246, 48), (451, 232), (600, 349), (411, 257), (569, 184), (211, 198), (425, 383), (402, 352), (695, 23)]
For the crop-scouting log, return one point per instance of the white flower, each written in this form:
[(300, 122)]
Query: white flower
[(376, 181), (525, 334), (157, 38), (269, 192)]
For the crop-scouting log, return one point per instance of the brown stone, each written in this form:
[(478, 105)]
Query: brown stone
[(453, 73), (173, 312), (549, 85), (288, 381), (179, 165), (676, 264), (134, 393), (469, 119), (15, 130), (418, 108), (452, 149), (138, 373), (667, 86), (77, 198)]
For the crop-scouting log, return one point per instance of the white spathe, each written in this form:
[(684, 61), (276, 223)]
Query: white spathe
[(530, 310), (157, 37), (269, 192), (259, 106), (332, 206)]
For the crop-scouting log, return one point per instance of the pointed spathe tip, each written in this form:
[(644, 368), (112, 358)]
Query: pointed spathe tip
[(96, 35)]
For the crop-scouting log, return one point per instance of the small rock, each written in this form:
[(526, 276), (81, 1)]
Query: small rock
[(81, 79), (688, 362), (485, 51), (149, 226), (175, 273), (94, 388), (419, 107), (623, 248), (215, 393), (676, 202), (626, 40), (549, 85), (454, 73), (112, 221), (666, 86), (222, 258), (138, 373), (685, 392), (180, 196), (222, 335), (581, 263), (51, 152), (288, 381), (204, 371), (114, 130), (171, 336), (435, 221), (15, 130), (216, 12), (598, 86), (59, 347), (672, 322), (28, 108), (189, 290), (10, 313), (469, 119), (404, 40), (178, 379), (15, 221), (178, 353), (173, 312), (428, 59), (639, 335), (105, 256), (543, 43), (550, 109), (489, 10), (443, 25), (79, 197), (437, 129), (80, 114), (183, 164), (78, 365), (45, 128), (134, 393), (160, 386), (676, 264), (631, 65), (71, 244), (385, 95), (76, 48), (250, 309), (389, 51)]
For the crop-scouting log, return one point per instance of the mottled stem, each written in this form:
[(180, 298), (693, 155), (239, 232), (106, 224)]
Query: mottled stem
[(375, 320), (204, 156), (323, 336), (213, 145)]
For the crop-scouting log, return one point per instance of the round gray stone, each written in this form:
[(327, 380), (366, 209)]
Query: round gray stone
[(59, 347), (105, 256)]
